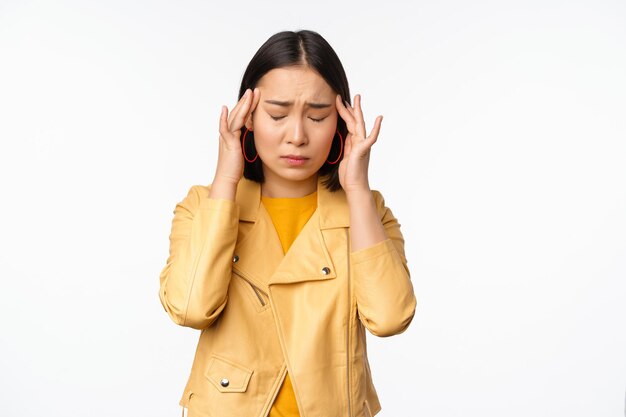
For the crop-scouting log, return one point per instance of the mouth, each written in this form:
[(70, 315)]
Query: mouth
[(294, 159)]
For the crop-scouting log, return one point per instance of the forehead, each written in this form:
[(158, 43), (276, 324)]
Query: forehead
[(290, 83)]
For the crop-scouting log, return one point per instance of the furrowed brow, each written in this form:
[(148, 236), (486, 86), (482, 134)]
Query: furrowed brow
[(318, 105), (279, 103), (289, 103)]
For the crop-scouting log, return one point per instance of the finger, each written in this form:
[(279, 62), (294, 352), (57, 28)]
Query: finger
[(256, 97), (348, 107), (240, 102), (241, 108), (360, 121), (347, 114), (344, 113), (375, 130), (224, 132)]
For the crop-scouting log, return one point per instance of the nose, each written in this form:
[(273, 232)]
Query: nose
[(298, 135)]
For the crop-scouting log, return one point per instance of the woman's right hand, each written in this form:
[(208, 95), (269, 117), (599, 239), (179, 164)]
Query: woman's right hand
[(230, 161)]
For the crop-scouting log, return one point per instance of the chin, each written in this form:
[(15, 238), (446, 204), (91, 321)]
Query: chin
[(298, 176), (294, 174)]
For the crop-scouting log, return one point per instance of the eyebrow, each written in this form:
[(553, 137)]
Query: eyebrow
[(289, 103)]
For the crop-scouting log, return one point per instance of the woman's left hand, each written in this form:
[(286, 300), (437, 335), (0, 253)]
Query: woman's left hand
[(353, 168)]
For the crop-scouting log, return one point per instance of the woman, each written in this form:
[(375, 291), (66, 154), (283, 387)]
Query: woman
[(287, 256)]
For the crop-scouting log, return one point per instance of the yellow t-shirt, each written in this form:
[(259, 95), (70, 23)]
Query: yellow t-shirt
[(289, 216)]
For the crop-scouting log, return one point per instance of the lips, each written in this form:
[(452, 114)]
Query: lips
[(295, 160)]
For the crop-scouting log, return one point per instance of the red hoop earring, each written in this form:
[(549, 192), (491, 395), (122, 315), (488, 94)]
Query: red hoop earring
[(340, 150), (243, 148)]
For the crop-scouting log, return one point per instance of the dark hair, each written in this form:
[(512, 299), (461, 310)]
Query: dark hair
[(286, 49)]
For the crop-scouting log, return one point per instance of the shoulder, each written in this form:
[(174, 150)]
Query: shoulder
[(340, 199), (384, 212), (195, 195), (378, 197), (198, 191), (379, 200)]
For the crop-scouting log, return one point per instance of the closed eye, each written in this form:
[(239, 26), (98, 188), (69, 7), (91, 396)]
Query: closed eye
[(317, 120), (277, 117)]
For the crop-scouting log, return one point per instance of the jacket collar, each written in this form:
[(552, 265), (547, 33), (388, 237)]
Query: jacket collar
[(308, 256), (332, 207)]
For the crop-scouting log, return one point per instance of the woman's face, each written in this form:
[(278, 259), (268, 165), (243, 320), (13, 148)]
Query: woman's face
[(294, 123)]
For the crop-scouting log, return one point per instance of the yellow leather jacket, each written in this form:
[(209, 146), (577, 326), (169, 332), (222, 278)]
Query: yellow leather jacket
[(262, 313)]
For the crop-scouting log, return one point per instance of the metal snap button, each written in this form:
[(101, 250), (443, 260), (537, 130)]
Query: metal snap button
[(235, 258), (326, 270), (224, 382)]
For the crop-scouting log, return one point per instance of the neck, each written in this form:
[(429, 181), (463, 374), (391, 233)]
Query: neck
[(278, 187)]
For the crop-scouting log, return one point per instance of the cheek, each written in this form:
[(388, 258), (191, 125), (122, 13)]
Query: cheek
[(265, 136), (325, 135)]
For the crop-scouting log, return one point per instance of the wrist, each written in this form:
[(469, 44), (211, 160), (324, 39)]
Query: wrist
[(225, 181), (360, 199), (223, 188), (358, 192)]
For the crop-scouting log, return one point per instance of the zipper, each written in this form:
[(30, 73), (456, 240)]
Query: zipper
[(282, 344), (348, 326), (256, 289), (366, 409), (186, 404), (275, 393)]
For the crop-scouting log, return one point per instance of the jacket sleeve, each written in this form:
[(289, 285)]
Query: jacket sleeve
[(384, 293), (194, 282)]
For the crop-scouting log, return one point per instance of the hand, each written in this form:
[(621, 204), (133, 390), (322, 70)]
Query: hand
[(230, 161), (353, 168)]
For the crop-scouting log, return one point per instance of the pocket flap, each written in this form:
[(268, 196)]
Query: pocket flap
[(226, 375)]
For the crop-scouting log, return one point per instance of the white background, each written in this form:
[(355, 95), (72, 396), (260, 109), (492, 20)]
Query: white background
[(502, 153)]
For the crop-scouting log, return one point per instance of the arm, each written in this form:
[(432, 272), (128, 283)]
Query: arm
[(194, 282), (384, 293), (382, 286)]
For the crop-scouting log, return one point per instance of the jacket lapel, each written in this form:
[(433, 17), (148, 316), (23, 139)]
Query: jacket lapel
[(259, 252), (261, 258)]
